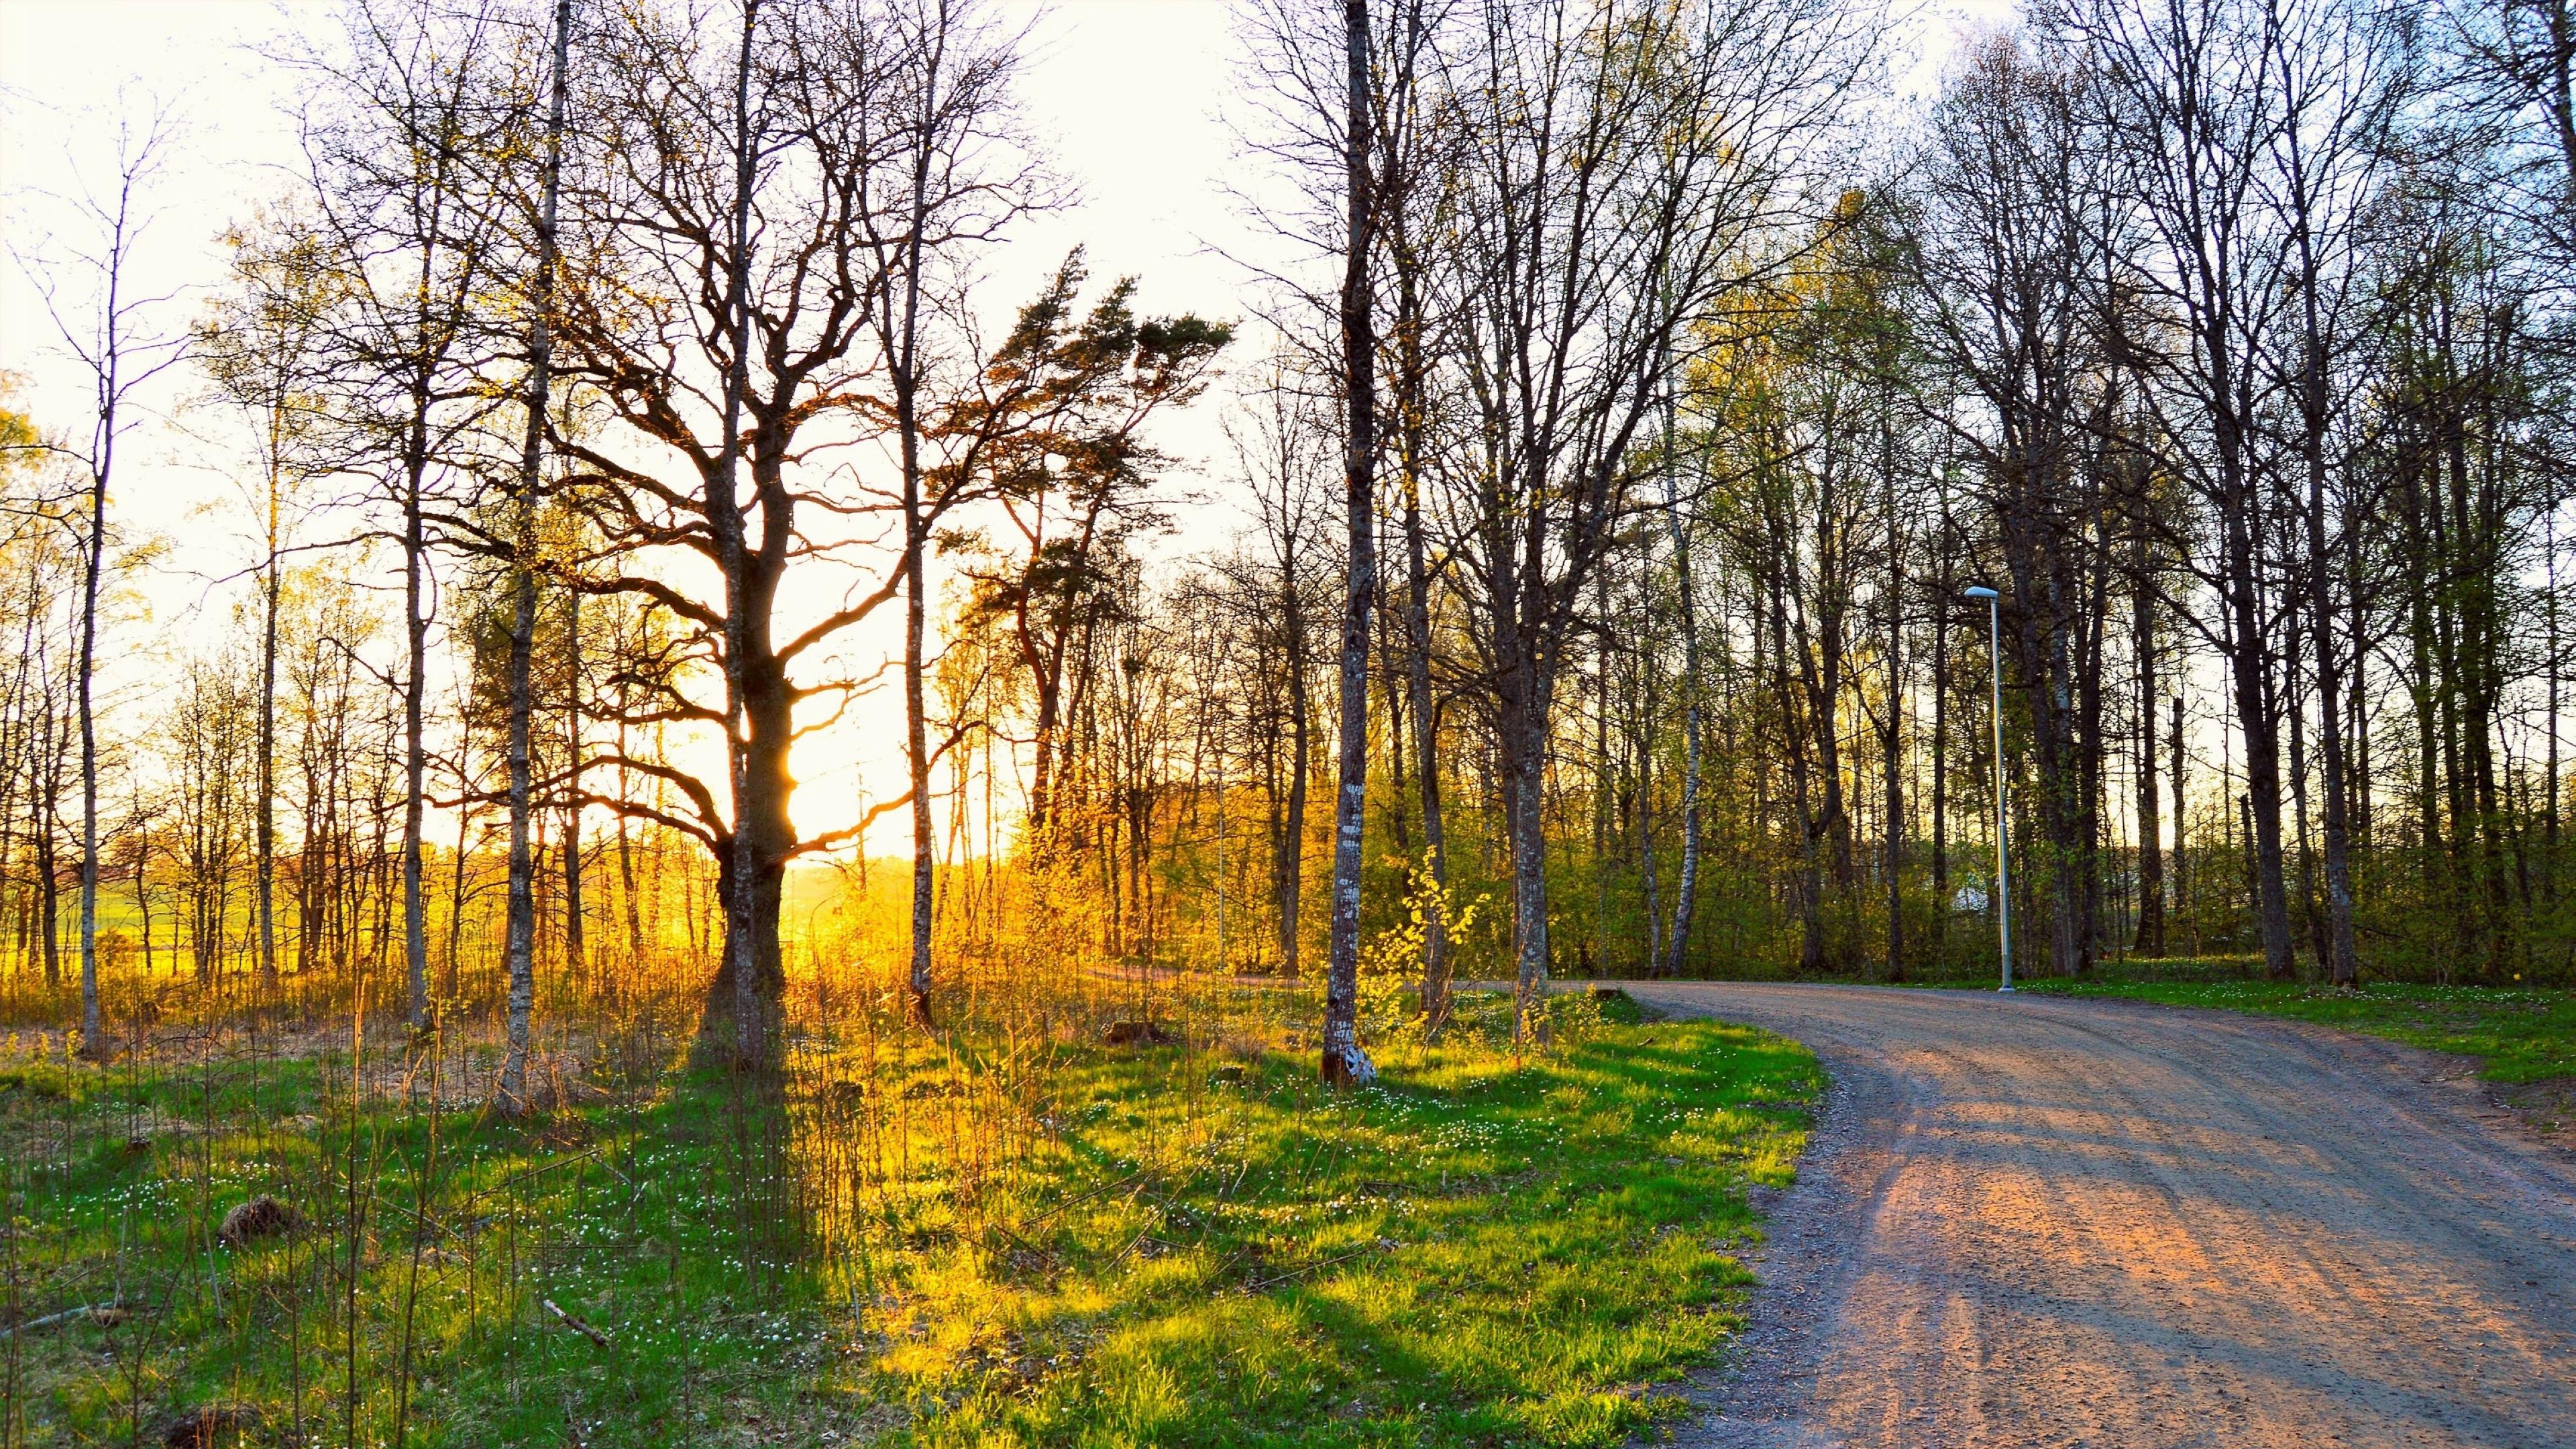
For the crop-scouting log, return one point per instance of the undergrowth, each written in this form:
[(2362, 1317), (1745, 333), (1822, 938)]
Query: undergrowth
[(1027, 1238)]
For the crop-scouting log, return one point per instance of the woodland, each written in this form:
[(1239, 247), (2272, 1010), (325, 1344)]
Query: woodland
[(632, 433)]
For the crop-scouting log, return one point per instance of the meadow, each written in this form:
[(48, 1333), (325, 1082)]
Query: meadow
[(1015, 1235)]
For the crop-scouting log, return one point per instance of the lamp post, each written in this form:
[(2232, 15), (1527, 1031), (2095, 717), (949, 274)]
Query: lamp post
[(2003, 851)]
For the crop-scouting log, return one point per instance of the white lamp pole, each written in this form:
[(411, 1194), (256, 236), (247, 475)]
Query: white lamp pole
[(2003, 848)]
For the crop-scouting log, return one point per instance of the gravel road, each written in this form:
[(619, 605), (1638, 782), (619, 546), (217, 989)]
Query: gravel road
[(2041, 1221)]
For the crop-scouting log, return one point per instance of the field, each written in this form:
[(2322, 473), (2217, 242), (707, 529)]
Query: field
[(1037, 1241)]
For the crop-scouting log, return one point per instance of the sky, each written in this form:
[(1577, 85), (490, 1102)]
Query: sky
[(1128, 91), (1134, 95)]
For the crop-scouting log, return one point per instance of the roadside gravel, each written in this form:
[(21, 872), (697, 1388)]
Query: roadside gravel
[(2043, 1221)]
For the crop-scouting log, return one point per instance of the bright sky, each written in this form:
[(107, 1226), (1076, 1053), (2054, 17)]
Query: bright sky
[(1133, 92)]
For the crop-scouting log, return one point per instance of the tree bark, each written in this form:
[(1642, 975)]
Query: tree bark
[(1344, 1062), (2150, 939), (264, 825), (521, 929), (576, 954), (1288, 851), (2339, 946), (1685, 591), (2182, 821), (1426, 752), (415, 697)]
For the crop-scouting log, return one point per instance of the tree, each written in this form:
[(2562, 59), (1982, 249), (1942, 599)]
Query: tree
[(957, 174), (1344, 1063), (2344, 84), (1618, 164), (1280, 443), (2012, 235), (2192, 99), (116, 338), (260, 348), (528, 482), (401, 135), (721, 319)]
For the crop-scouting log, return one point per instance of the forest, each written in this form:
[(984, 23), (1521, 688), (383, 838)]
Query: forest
[(725, 711)]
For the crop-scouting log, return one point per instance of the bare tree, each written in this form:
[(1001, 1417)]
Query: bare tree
[(261, 348), (522, 544), (117, 339), (720, 313), (1620, 167), (400, 129), (955, 173), (2012, 234), (2344, 83), (2227, 117), (1279, 446)]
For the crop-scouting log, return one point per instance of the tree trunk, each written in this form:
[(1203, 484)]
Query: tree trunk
[(1344, 1062), (93, 1043), (521, 928), (1525, 739), (1941, 744), (1426, 752), (1807, 886), (2182, 822), (2341, 951), (737, 994), (631, 907), (2150, 940), (1686, 889), (2249, 668), (415, 706), (916, 735), (1891, 738), (264, 843), (576, 954), (916, 738), (1288, 862)]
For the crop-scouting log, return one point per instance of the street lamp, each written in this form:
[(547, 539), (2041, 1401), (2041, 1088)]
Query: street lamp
[(2003, 854)]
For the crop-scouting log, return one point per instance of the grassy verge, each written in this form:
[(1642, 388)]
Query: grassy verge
[(1195, 1246)]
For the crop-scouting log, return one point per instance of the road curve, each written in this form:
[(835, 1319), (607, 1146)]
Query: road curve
[(2032, 1220)]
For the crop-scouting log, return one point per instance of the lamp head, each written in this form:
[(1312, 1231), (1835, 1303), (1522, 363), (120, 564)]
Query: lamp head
[(1980, 591)]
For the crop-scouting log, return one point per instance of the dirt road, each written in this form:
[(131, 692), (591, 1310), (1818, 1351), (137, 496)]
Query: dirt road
[(2039, 1221)]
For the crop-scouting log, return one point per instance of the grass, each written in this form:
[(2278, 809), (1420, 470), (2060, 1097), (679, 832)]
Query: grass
[(1195, 1246), (2519, 1035), (436, 1260)]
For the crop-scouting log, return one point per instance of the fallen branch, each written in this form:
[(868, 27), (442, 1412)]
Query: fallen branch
[(1131, 1246), (1273, 1282), (575, 1324), (66, 1316), (1086, 1197), (425, 1220), (544, 1167)]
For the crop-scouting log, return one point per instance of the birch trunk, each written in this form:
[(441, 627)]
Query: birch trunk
[(1344, 1062)]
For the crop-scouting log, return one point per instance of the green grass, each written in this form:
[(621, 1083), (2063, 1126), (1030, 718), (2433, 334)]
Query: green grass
[(613, 1214), (1199, 1248), (2519, 1035)]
